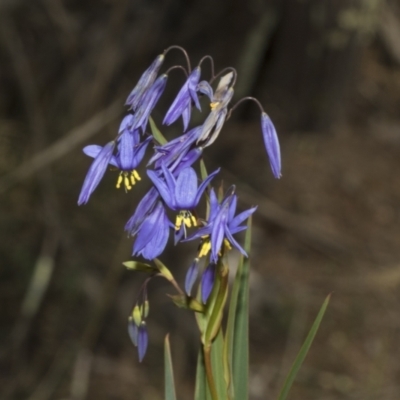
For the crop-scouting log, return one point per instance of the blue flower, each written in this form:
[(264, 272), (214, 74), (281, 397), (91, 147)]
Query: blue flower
[(148, 102), (271, 144), (181, 194), (221, 226), (129, 155), (183, 102), (96, 171), (145, 82), (152, 234)]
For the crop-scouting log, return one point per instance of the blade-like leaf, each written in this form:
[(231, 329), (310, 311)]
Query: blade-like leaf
[(169, 372), (201, 390), (217, 363), (156, 132), (303, 351), (239, 329)]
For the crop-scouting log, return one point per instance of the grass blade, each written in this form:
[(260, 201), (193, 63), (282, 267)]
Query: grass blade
[(238, 325), (303, 352), (217, 364), (201, 390), (169, 372), (156, 132)]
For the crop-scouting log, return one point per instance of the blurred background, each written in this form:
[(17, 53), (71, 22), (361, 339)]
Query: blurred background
[(328, 74)]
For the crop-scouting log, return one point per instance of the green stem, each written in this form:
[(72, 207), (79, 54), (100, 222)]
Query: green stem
[(210, 377)]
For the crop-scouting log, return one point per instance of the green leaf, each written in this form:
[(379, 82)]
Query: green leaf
[(169, 372), (214, 322), (303, 351), (237, 346), (203, 170), (202, 392), (139, 266), (156, 132), (217, 363)]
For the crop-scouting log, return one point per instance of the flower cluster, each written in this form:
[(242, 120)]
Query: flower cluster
[(176, 188)]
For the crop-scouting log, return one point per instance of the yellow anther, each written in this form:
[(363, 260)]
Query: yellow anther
[(136, 175), (205, 248), (132, 179), (178, 222), (194, 220), (187, 221), (126, 183), (119, 181), (227, 244), (214, 105)]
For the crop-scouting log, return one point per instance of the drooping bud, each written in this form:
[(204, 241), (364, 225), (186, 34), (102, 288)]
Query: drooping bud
[(207, 282), (142, 341), (271, 144)]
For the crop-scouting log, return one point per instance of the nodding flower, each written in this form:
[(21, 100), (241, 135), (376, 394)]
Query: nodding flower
[(182, 104), (271, 144), (145, 82), (181, 194), (222, 224)]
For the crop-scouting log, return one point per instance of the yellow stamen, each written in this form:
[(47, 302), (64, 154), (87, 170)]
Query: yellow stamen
[(132, 178), (178, 222), (214, 105), (136, 175), (126, 183), (227, 244), (119, 181), (205, 248), (187, 221), (194, 220)]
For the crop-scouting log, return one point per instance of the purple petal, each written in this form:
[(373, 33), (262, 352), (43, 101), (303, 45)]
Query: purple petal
[(126, 123), (235, 243), (162, 188), (142, 341), (207, 282), (186, 189), (92, 150), (96, 172), (144, 207), (125, 154), (186, 113), (235, 222), (191, 276), (149, 101), (271, 144), (205, 88), (204, 185)]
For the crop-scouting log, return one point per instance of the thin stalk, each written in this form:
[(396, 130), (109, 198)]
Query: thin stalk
[(209, 374)]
